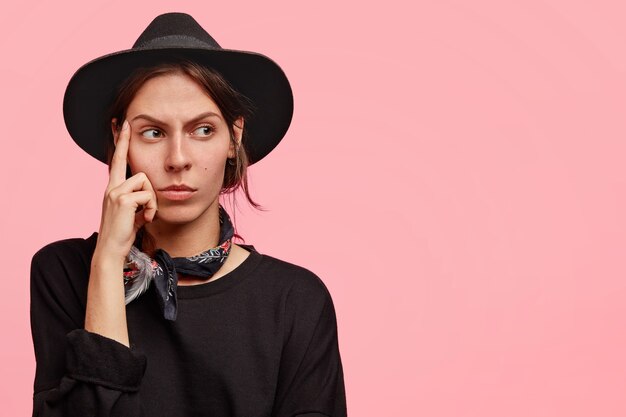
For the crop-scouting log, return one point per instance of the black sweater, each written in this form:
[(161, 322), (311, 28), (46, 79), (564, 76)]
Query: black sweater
[(259, 341)]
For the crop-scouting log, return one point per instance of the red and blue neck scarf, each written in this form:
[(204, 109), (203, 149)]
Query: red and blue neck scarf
[(140, 269)]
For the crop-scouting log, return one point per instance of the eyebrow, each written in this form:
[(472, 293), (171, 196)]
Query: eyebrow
[(195, 119)]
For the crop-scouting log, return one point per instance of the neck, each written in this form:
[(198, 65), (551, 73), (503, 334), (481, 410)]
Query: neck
[(187, 239)]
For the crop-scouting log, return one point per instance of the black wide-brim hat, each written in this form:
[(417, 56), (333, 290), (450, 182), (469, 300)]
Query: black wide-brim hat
[(92, 88)]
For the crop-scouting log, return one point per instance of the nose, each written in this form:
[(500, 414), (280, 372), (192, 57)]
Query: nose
[(178, 157)]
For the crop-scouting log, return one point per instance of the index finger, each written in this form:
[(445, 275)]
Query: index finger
[(117, 174)]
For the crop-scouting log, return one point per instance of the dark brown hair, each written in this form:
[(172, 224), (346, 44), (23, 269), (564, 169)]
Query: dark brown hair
[(231, 103)]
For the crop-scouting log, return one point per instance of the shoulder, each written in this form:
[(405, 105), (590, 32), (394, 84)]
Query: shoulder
[(299, 282), (306, 303), (70, 253), (77, 245), (59, 277)]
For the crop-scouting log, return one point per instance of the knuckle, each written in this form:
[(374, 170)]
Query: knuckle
[(124, 199), (113, 193)]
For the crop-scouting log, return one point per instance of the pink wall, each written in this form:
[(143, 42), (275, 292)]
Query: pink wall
[(453, 173)]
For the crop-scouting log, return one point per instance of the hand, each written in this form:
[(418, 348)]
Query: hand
[(122, 214)]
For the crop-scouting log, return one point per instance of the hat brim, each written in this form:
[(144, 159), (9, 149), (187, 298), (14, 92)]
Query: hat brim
[(91, 91)]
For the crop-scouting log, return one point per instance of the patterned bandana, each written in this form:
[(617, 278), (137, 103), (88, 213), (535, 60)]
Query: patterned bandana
[(140, 270)]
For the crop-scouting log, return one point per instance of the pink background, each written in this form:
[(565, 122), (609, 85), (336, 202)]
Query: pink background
[(453, 173)]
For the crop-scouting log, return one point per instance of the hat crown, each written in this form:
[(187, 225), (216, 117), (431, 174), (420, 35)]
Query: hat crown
[(175, 30)]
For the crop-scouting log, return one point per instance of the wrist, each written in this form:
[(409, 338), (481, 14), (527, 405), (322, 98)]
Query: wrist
[(103, 260)]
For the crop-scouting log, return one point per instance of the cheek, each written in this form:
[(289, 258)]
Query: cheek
[(212, 161), (212, 172), (213, 169), (138, 159)]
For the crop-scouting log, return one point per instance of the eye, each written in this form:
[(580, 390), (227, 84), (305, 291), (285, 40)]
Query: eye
[(148, 133), (205, 130)]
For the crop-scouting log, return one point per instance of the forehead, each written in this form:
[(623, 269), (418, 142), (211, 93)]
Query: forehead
[(172, 95)]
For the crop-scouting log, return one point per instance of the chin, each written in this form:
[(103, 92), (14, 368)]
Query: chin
[(177, 215)]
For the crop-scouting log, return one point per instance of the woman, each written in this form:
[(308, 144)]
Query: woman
[(160, 313)]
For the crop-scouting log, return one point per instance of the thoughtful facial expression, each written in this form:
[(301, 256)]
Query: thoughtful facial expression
[(179, 136)]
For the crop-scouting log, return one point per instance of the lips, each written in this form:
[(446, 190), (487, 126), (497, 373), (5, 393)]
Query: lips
[(177, 192), (181, 187)]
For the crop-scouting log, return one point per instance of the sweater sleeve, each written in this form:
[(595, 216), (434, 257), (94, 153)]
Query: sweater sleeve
[(311, 379), (78, 373)]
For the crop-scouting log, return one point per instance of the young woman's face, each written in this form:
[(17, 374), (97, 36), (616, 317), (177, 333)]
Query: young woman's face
[(179, 136)]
